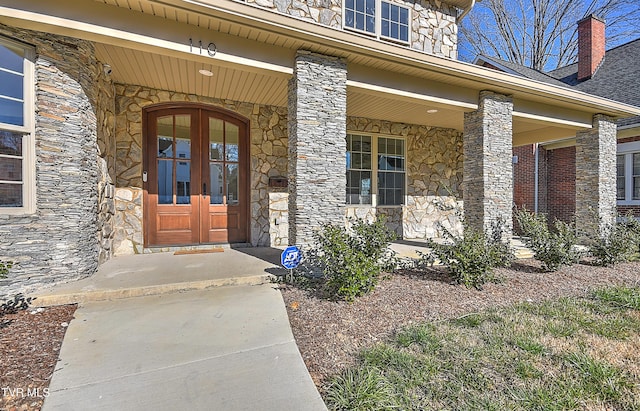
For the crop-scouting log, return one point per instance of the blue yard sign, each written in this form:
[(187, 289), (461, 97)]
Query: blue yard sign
[(291, 257)]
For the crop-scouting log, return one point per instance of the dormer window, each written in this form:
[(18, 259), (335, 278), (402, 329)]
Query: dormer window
[(377, 17)]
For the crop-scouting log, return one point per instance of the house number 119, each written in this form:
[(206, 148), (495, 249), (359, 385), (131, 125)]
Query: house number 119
[(211, 48)]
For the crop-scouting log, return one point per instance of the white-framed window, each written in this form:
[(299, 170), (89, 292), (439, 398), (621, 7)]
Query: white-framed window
[(628, 174), (380, 18), (375, 170), (17, 147)]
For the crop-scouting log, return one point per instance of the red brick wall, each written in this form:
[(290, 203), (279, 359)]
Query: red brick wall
[(624, 209), (561, 185), (523, 177), (629, 139), (556, 181), (591, 46)]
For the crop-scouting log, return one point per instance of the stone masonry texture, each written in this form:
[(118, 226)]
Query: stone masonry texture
[(488, 168), (317, 144), (268, 153), (434, 180), (59, 241), (433, 24), (596, 176), (434, 171)]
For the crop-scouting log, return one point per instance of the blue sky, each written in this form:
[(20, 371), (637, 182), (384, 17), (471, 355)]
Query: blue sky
[(618, 31)]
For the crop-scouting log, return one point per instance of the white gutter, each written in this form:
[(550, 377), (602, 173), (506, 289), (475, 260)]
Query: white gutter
[(466, 11)]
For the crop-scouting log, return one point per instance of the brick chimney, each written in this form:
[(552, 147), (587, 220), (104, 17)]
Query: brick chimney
[(591, 42)]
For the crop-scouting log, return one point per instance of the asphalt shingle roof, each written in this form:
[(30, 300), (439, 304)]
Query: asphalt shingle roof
[(524, 71), (617, 78)]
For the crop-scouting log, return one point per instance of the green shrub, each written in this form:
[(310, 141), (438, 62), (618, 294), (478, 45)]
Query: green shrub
[(5, 266), (554, 248), (351, 260), (618, 243), (472, 257), (18, 303)]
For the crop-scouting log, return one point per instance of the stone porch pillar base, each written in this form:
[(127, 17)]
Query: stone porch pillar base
[(317, 144), (488, 168), (596, 177)]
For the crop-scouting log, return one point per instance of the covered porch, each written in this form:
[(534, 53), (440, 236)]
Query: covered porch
[(301, 96)]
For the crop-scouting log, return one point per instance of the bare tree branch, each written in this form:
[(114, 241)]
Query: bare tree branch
[(542, 34)]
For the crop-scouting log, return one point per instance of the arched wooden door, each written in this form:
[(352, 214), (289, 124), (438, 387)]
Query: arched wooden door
[(196, 177)]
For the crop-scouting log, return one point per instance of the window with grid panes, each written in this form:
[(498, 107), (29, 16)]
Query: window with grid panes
[(359, 169), (636, 176), (394, 21), (390, 171), (628, 173), (620, 178), (380, 18), (15, 136), (385, 176)]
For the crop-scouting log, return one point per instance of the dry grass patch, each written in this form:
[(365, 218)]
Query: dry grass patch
[(568, 353)]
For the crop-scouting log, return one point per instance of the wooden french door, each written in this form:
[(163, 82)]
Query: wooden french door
[(195, 176)]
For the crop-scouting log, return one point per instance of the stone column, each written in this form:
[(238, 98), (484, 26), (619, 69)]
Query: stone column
[(488, 168), (596, 176), (317, 144)]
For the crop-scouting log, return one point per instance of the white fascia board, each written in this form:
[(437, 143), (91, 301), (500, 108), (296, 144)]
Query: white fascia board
[(138, 31)]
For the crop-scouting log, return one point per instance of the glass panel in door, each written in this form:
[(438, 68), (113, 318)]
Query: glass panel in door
[(173, 159), (223, 162)]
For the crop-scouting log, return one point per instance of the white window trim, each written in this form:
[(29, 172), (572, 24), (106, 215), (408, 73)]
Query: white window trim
[(374, 171), (378, 23), (28, 132), (628, 149)]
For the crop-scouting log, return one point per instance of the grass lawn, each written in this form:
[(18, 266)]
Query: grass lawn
[(559, 355)]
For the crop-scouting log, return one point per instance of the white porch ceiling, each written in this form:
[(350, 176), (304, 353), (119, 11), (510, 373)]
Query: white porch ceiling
[(163, 72), (146, 42), (181, 75)]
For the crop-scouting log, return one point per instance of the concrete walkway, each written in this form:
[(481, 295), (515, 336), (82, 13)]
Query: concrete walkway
[(178, 341), (174, 332)]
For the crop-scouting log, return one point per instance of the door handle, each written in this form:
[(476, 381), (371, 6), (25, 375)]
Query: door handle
[(204, 189)]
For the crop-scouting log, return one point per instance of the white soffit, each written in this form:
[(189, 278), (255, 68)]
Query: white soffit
[(253, 64), (183, 75)]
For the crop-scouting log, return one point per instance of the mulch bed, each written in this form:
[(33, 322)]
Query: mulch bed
[(30, 344), (329, 334)]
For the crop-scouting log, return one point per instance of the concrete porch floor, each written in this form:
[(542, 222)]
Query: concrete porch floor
[(162, 273)]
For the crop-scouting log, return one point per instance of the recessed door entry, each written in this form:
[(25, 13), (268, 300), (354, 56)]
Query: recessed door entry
[(196, 177)]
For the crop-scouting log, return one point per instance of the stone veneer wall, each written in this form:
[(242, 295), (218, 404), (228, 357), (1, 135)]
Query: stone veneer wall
[(106, 159), (488, 168), (393, 216), (268, 136), (596, 176), (317, 144), (434, 180), (433, 23), (58, 242)]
